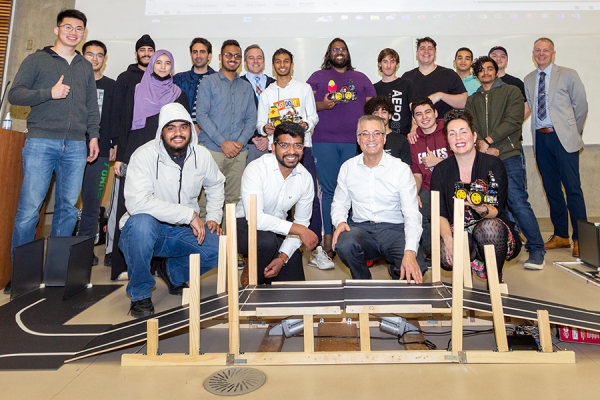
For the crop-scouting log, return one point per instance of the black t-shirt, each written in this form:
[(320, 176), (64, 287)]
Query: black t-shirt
[(397, 145), (402, 93), (105, 86), (514, 81), (440, 80)]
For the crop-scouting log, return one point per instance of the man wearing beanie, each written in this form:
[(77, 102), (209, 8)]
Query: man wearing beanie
[(121, 120)]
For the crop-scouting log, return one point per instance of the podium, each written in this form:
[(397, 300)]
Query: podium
[(11, 177)]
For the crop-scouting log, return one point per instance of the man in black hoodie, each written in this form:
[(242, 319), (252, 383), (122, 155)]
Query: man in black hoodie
[(121, 120), (58, 84)]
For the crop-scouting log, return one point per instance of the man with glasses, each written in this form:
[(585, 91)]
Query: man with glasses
[(385, 222), (96, 172), (226, 114), (280, 182), (58, 84)]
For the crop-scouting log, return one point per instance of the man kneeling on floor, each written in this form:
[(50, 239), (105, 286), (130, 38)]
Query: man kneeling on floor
[(164, 179), (279, 183), (386, 222)]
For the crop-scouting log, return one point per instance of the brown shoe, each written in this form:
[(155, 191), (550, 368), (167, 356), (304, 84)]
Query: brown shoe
[(557, 242), (576, 248)]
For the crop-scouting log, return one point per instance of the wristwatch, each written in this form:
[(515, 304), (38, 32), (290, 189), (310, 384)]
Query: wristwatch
[(484, 214), (284, 257)]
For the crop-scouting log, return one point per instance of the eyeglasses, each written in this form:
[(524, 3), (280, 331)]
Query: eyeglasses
[(286, 146), (99, 56), (375, 135), (237, 56), (70, 28), (338, 49)]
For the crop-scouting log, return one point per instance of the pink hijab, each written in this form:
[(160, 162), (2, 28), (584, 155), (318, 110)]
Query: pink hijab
[(151, 94)]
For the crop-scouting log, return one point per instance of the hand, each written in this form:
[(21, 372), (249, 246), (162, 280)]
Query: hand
[(420, 203), (112, 154), (198, 228), (327, 103), (482, 146), (342, 227), (231, 148), (303, 124), (213, 227), (60, 91), (435, 97), (410, 269), (430, 160), (448, 244), (269, 129), (492, 151), (261, 143), (412, 137), (117, 168), (272, 270), (94, 150), (308, 237)]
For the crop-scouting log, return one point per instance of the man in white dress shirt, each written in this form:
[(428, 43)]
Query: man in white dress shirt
[(386, 222), (280, 183)]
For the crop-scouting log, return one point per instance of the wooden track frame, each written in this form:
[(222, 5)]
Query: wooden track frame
[(365, 355)]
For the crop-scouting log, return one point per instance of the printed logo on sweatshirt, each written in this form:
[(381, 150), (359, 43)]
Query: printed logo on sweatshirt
[(440, 153)]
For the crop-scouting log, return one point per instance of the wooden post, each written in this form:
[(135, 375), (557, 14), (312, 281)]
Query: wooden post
[(232, 281), (152, 337), (435, 237), (365, 333), (309, 334), (457, 276), (468, 274), (544, 331), (222, 265), (252, 243), (495, 298), (194, 308)]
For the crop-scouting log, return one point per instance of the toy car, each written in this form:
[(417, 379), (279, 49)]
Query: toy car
[(275, 118), (479, 191)]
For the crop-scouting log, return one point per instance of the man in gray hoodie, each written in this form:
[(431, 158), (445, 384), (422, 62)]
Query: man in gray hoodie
[(59, 86)]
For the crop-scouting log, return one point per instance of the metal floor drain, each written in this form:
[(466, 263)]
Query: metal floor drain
[(234, 381)]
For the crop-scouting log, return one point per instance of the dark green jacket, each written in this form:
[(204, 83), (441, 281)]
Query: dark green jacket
[(498, 113)]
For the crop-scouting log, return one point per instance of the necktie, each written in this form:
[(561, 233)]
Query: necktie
[(258, 89), (541, 100), (193, 115)]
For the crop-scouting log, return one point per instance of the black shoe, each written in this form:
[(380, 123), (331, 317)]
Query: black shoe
[(161, 270), (141, 308), (108, 260), (7, 288), (95, 260)]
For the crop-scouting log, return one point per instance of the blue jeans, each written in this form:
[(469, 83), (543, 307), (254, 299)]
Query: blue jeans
[(560, 169), (41, 157), (329, 158), (144, 237), (518, 202)]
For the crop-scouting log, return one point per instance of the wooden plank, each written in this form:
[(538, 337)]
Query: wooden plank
[(518, 357), (411, 338), (152, 337), (232, 281), (457, 276), (435, 237), (544, 331), (222, 265), (391, 309), (285, 311), (309, 334), (349, 357), (496, 299), (173, 359), (252, 243), (270, 343), (365, 332), (194, 310), (337, 343)]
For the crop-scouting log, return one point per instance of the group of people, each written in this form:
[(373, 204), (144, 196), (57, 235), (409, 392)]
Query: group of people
[(186, 144)]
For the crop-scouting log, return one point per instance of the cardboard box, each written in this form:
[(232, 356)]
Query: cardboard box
[(574, 335)]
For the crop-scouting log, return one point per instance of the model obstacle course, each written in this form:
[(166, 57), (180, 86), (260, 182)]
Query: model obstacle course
[(332, 298)]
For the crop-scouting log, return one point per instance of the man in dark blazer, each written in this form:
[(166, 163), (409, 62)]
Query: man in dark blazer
[(559, 108)]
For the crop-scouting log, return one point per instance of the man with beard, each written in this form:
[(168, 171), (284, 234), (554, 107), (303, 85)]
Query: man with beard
[(279, 183), (385, 221), (340, 96), (164, 178), (121, 120), (226, 114), (189, 81)]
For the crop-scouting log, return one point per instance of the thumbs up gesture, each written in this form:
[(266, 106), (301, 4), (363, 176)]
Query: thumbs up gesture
[(60, 90), (431, 160)]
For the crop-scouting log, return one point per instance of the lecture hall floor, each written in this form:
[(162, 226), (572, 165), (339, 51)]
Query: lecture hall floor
[(102, 377)]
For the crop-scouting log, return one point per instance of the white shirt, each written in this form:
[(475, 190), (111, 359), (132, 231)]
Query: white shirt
[(275, 196), (384, 193)]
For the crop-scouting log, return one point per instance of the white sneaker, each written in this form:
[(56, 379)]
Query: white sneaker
[(321, 260)]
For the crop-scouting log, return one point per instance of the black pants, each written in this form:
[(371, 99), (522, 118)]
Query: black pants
[(268, 249)]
